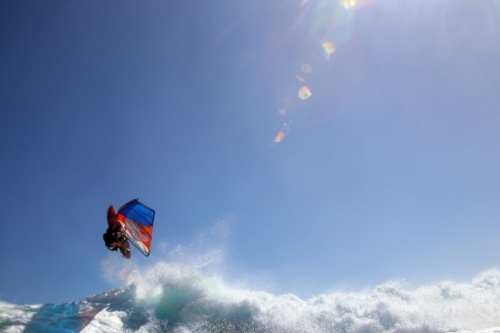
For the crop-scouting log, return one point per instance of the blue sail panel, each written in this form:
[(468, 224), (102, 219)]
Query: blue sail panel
[(138, 212), (137, 220)]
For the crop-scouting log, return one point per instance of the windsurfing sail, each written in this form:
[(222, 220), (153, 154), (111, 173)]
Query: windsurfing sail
[(137, 220)]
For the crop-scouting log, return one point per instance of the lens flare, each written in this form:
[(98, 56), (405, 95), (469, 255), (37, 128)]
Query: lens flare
[(329, 48), (330, 24), (300, 78), (304, 93), (332, 21), (349, 4), (279, 137), (306, 68), (282, 133)]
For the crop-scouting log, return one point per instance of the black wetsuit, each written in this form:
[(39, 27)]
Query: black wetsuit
[(113, 237)]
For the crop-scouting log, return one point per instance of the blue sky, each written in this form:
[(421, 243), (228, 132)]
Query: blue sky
[(388, 170)]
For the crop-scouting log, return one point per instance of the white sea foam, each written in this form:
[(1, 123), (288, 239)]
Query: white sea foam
[(170, 298), (194, 300), (185, 293)]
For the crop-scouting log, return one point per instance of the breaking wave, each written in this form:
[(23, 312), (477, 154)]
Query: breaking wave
[(184, 293), (173, 298)]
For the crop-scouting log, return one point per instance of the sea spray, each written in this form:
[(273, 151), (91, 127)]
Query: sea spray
[(187, 291), (169, 298), (185, 298)]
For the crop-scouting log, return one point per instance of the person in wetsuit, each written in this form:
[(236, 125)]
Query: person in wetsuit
[(114, 239)]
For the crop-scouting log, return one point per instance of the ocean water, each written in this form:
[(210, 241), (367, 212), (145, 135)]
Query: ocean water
[(172, 297)]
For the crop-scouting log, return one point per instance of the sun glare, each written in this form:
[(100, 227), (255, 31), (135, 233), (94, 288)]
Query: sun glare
[(348, 4)]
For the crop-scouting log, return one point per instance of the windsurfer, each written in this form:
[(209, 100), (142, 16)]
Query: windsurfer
[(114, 239)]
